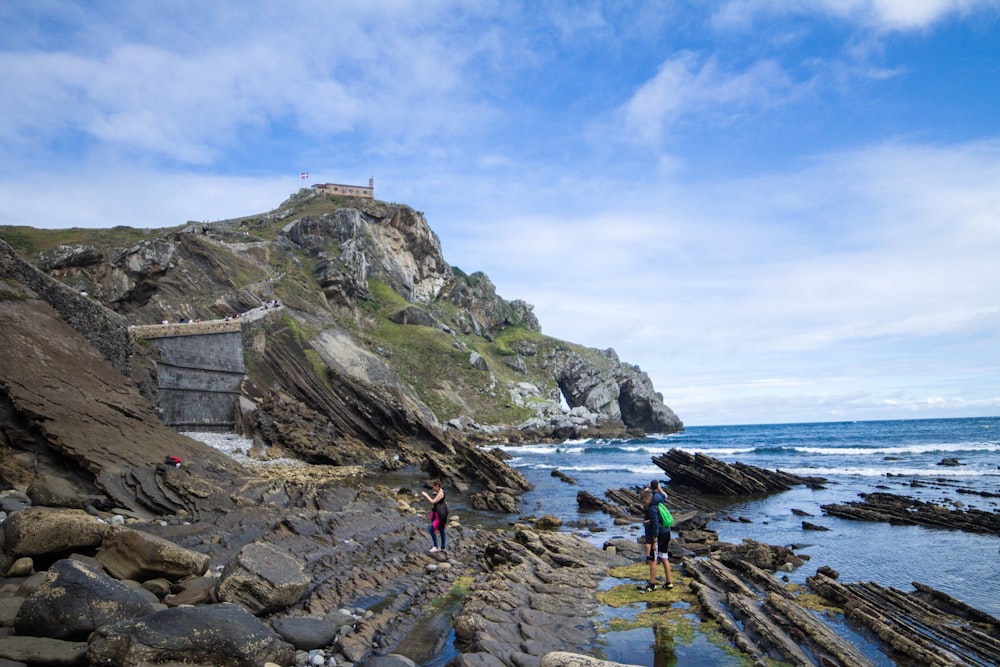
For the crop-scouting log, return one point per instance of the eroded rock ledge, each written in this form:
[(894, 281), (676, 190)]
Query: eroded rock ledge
[(706, 474), (904, 511)]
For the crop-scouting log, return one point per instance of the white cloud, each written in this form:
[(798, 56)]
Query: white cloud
[(191, 100), (881, 15), (873, 268), (686, 85), (138, 197)]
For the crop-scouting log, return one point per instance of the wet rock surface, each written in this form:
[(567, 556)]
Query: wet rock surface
[(706, 474), (740, 587), (905, 511), (373, 590)]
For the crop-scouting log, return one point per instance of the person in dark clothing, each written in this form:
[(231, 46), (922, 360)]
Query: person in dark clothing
[(658, 494), (439, 515), (657, 543)]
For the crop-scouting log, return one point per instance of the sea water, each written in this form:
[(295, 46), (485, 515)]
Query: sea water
[(901, 457)]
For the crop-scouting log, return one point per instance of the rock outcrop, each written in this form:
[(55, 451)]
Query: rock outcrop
[(622, 392), (103, 329), (706, 474), (537, 599), (66, 411), (904, 511)]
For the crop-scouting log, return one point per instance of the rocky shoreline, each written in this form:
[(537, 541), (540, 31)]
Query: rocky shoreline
[(325, 569)]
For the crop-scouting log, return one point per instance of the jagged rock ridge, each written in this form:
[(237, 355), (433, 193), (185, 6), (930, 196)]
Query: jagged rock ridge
[(385, 353)]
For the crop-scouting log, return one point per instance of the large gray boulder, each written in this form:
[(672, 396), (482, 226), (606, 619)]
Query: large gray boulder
[(44, 531), (132, 554), (263, 579), (75, 600), (306, 633), (223, 635)]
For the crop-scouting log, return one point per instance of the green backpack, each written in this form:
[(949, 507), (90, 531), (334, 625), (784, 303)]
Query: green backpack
[(666, 518)]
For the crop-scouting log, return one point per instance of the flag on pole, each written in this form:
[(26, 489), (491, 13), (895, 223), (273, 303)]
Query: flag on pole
[(304, 175)]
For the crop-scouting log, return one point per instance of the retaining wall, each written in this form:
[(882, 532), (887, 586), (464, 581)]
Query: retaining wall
[(199, 373)]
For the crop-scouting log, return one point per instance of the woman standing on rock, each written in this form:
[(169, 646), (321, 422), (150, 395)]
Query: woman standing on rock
[(439, 514)]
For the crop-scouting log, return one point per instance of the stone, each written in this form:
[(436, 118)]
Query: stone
[(223, 635), (806, 525), (305, 633), (392, 660), (22, 567), (47, 490), (132, 554), (74, 601), (8, 505), (197, 590), (43, 651), (45, 531), (159, 587), (263, 579), (9, 606)]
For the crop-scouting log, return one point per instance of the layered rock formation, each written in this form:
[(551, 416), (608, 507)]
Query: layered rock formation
[(64, 410), (707, 474), (384, 354)]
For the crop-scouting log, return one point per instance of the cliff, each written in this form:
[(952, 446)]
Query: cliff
[(383, 353)]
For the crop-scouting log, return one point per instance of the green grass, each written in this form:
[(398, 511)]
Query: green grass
[(28, 241), (435, 364)]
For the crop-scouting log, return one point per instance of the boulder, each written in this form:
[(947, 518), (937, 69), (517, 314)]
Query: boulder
[(224, 635), (305, 633), (50, 491), (197, 590), (392, 660), (504, 502), (548, 522), (413, 315), (263, 579), (74, 601), (132, 554), (44, 531)]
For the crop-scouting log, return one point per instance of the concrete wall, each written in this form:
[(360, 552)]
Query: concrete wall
[(199, 376)]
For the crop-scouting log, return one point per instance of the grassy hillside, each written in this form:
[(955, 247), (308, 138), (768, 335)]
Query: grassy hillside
[(433, 362)]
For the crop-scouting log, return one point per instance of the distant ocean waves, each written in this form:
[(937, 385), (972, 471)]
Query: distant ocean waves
[(913, 448)]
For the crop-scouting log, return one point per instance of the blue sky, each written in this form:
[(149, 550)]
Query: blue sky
[(782, 211)]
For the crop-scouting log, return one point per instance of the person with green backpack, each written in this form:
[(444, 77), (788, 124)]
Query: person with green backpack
[(657, 540)]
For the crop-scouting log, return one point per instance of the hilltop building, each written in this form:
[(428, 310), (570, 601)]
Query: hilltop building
[(348, 190)]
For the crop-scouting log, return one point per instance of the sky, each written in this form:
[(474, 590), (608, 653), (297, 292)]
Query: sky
[(782, 211)]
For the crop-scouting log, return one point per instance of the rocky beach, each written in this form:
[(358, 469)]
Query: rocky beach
[(312, 565)]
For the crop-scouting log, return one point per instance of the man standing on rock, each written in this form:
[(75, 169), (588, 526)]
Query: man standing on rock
[(657, 543)]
